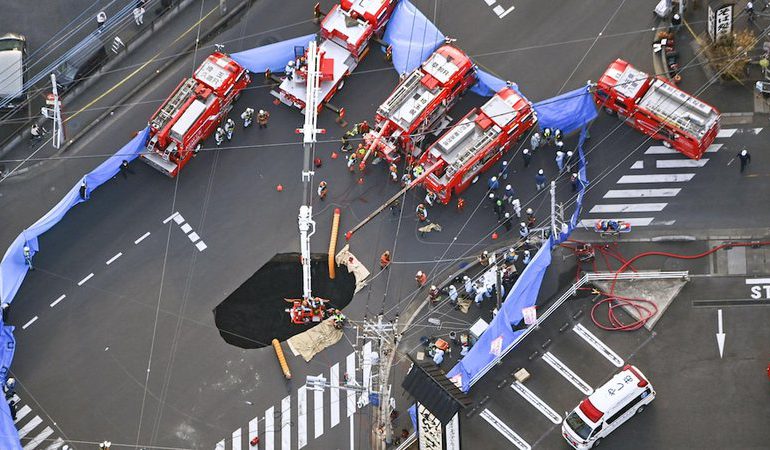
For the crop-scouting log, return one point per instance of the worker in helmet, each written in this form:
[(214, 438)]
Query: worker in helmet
[(289, 70), (229, 128), (219, 136), (547, 135), (247, 116), (535, 141), (523, 230), (526, 154), (530, 218), (323, 189), (393, 173), (422, 212), (421, 278), (405, 179), (352, 162), (430, 197), (262, 118), (418, 170)]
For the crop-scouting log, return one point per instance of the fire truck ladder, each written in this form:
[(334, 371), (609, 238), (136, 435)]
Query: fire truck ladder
[(173, 104), (398, 97)]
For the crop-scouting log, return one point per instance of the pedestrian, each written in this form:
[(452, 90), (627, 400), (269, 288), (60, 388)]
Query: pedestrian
[(557, 138), (493, 184), (745, 158), (219, 136), (479, 291), (483, 258), (453, 295), (9, 388), (393, 170), (535, 141), (323, 189), (460, 204), (247, 116), (385, 260), (507, 222), (12, 407), (523, 230), (352, 162), (139, 15), (35, 134), (406, 179), (229, 128), (573, 179), (83, 190), (422, 213), (527, 155), (527, 257), (28, 257), (499, 209), (124, 170), (492, 198), (468, 284), (516, 203), (508, 194), (101, 18), (560, 160), (531, 218), (6, 311), (540, 180), (420, 278), (569, 160), (504, 170), (430, 197), (262, 118)]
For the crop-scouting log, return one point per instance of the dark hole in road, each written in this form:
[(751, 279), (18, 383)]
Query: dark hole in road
[(254, 315)]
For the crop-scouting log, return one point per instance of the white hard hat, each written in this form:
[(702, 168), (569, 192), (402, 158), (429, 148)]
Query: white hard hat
[(522, 225), (744, 152), (433, 286), (494, 178), (291, 63), (508, 187), (540, 172), (419, 272), (526, 150), (529, 211), (485, 252), (491, 195), (569, 153), (261, 111), (507, 215), (526, 252), (559, 153), (466, 278), (505, 163)]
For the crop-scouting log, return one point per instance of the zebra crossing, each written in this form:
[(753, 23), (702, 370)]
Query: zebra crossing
[(667, 174), (34, 433), (308, 413)]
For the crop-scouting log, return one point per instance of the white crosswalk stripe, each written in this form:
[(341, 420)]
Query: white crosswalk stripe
[(661, 150), (31, 434), (656, 178), (57, 444), (350, 369), (680, 163), (37, 440), (286, 423), (318, 412), (638, 165), (253, 428), (31, 425), (237, 439), (301, 417), (334, 393), (22, 413), (729, 132), (628, 208), (642, 193), (270, 428), (220, 445)]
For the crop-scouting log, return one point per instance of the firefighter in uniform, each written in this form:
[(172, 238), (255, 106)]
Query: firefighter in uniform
[(361, 152), (422, 213), (352, 162), (229, 128), (530, 218), (345, 147), (430, 197), (219, 136), (393, 173), (547, 136), (289, 70), (262, 118), (247, 116), (323, 189)]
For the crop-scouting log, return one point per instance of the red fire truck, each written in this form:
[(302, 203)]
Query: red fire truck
[(419, 101), (657, 108), (476, 143), (193, 112), (345, 33)]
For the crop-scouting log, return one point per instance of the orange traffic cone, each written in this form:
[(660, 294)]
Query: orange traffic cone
[(494, 236), (334, 155), (276, 102), (279, 188), (254, 442)]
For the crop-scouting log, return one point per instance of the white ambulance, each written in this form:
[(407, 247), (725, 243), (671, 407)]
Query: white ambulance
[(626, 394)]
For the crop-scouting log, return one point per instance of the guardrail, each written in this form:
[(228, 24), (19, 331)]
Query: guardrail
[(585, 279)]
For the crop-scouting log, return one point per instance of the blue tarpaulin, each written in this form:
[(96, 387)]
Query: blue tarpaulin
[(9, 437), (272, 56), (568, 112), (488, 84), (412, 36)]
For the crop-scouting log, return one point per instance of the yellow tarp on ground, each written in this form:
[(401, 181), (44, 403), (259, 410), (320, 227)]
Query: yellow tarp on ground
[(314, 340), (349, 260)]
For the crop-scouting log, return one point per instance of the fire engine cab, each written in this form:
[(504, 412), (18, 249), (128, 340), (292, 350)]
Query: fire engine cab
[(657, 108), (193, 112), (418, 102), (345, 33), (476, 143)]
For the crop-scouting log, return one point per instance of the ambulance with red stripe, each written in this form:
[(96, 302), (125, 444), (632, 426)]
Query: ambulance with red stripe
[(611, 405)]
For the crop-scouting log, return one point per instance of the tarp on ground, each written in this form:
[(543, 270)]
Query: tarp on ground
[(314, 340), (13, 267), (567, 112), (271, 56), (500, 335), (356, 267), (412, 36)]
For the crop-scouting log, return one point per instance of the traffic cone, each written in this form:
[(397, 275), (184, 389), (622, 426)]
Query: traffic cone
[(279, 188), (334, 155), (254, 442), (494, 236), (276, 102)]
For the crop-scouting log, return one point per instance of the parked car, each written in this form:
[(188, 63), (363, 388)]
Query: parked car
[(13, 51)]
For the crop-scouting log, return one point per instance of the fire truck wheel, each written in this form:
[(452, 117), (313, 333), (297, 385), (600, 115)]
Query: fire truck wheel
[(609, 111)]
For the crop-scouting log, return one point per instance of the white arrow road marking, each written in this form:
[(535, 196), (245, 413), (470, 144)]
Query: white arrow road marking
[(720, 334)]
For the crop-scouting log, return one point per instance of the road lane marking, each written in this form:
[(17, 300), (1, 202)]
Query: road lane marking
[(504, 429), (301, 417), (286, 423), (638, 165), (37, 440), (598, 345), (56, 444), (318, 410), (680, 163), (186, 228), (334, 394), (237, 438), (725, 133), (253, 428), (628, 208), (636, 222), (665, 178), (758, 281), (31, 425), (111, 260), (143, 237), (83, 281), (567, 373), (220, 445), (535, 401), (270, 428), (350, 371), (504, 13), (178, 219), (642, 193), (201, 246), (193, 237), (352, 434), (31, 321), (170, 218), (56, 302), (661, 150), (22, 413)]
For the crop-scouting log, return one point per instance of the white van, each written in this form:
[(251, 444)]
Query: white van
[(626, 394), (13, 50)]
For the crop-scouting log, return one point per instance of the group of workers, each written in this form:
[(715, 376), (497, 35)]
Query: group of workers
[(227, 129)]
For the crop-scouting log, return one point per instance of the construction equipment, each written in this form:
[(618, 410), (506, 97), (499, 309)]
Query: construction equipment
[(419, 102), (192, 113), (344, 41), (476, 143), (657, 108)]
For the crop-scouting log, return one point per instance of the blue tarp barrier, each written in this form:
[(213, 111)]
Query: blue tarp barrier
[(272, 56), (488, 84), (567, 112), (582, 177), (413, 415), (9, 437), (412, 36)]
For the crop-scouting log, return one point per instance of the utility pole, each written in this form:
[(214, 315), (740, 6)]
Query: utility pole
[(53, 112), (554, 230)]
